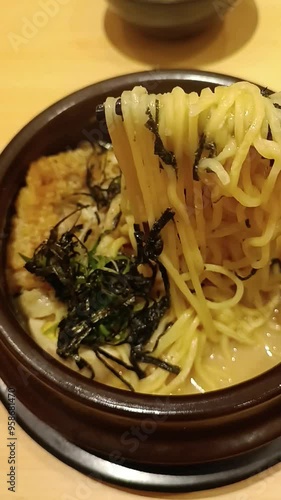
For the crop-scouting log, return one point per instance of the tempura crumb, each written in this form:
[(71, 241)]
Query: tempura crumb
[(49, 195)]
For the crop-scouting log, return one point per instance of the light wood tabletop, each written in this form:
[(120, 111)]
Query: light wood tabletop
[(49, 48)]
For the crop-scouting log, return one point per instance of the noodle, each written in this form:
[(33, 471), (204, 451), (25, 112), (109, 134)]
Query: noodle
[(233, 185)]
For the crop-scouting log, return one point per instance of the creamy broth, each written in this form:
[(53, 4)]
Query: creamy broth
[(241, 362)]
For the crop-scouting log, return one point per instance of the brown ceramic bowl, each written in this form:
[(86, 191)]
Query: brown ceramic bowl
[(171, 18), (140, 431)]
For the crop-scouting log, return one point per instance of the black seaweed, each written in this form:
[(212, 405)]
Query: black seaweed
[(59, 260), (212, 148), (109, 301), (101, 195), (203, 146), (168, 157), (265, 92), (103, 192)]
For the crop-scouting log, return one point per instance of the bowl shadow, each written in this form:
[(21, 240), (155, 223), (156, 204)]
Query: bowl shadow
[(220, 41)]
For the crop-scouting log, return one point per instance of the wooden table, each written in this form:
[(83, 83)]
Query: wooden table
[(44, 56)]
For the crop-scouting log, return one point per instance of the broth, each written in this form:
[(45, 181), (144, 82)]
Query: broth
[(242, 362)]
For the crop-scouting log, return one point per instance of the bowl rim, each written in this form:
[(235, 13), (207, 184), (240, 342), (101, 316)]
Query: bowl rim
[(247, 394)]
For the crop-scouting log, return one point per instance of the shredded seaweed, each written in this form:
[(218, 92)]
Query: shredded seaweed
[(87, 235), (101, 195), (116, 220), (109, 301), (203, 146), (167, 157), (103, 192), (198, 155), (212, 148), (265, 92), (269, 138)]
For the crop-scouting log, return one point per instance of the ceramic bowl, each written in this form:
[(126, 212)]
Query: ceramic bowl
[(144, 432), (171, 18)]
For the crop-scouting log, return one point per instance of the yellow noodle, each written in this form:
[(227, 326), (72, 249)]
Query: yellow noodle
[(227, 219)]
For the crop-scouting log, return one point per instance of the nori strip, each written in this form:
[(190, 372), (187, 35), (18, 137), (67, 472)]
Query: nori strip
[(109, 301), (203, 146), (168, 157)]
